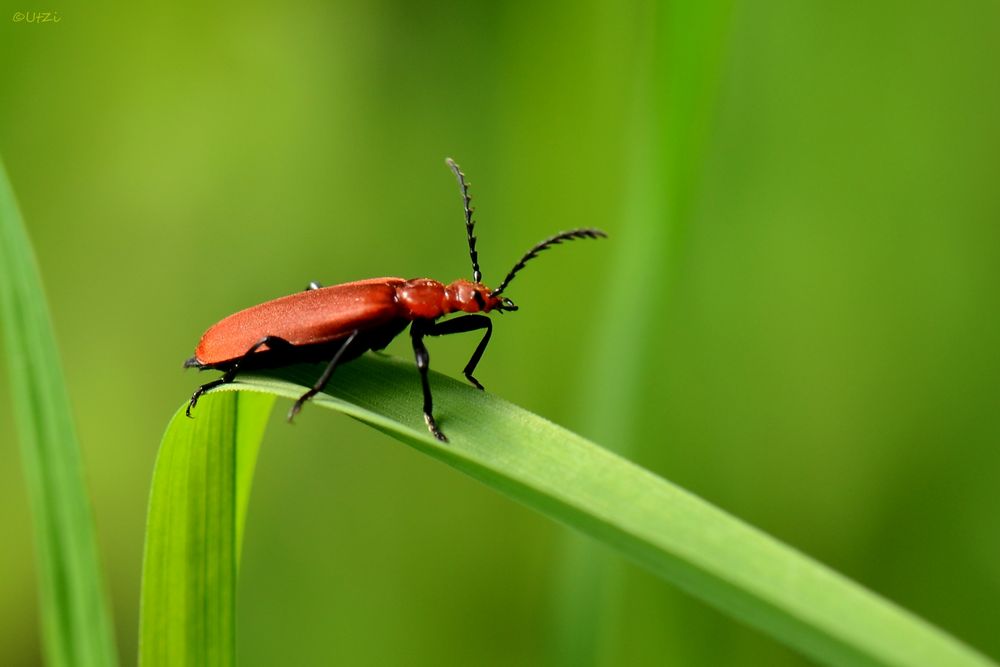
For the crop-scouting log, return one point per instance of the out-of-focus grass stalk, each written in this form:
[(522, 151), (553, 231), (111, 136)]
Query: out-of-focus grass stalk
[(680, 46), (76, 621)]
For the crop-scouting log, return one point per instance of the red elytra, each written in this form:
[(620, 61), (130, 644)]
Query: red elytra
[(339, 323)]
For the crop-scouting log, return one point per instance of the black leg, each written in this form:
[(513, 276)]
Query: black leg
[(225, 379), (313, 285), (417, 331), (463, 325), (273, 342), (323, 379)]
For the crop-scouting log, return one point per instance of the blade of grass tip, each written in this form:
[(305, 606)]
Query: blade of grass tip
[(76, 621), (679, 537), (194, 531), (676, 75)]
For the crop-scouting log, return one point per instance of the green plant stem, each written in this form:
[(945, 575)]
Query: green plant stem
[(76, 621), (194, 531)]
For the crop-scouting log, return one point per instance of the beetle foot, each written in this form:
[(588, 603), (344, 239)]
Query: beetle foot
[(192, 403), (295, 409), (433, 428), (475, 382)]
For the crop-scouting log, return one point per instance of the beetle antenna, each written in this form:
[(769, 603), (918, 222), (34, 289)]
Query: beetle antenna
[(547, 243), (477, 276)]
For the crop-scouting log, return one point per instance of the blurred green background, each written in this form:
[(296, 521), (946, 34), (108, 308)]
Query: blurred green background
[(795, 317)]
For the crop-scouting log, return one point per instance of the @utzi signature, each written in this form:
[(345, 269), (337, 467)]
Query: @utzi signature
[(36, 17)]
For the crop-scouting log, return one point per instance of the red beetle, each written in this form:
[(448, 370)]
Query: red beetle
[(339, 323)]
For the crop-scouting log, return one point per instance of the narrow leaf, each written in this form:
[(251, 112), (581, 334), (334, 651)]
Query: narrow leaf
[(76, 621), (197, 505), (676, 535)]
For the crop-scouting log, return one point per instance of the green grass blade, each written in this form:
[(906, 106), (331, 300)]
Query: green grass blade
[(194, 531), (683, 539), (76, 621)]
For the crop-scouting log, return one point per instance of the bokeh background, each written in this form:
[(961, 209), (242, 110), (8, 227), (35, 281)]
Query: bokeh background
[(795, 316)]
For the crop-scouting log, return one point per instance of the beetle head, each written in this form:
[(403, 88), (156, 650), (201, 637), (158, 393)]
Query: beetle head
[(470, 297)]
